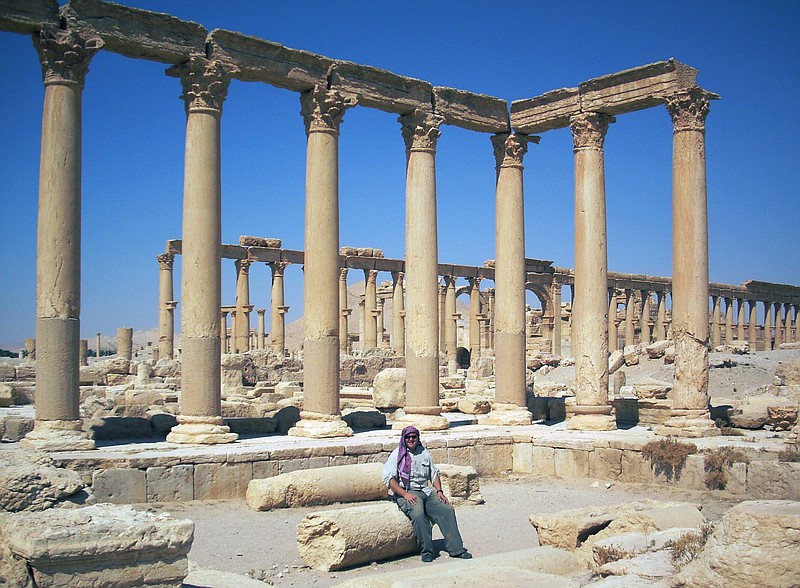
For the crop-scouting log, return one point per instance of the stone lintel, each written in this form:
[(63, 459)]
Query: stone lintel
[(474, 112), (27, 16), (546, 112), (269, 254), (174, 246), (778, 292), (538, 266), (137, 33), (381, 89), (617, 93), (259, 60), (233, 251), (382, 264)]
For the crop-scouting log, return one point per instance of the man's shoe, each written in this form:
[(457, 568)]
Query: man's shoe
[(463, 555), (427, 558)]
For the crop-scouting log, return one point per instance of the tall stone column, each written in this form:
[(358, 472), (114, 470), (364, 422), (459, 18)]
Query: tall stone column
[(242, 325), (740, 319), (661, 316), (509, 407), (797, 323), (322, 111), (555, 290), (125, 343), (752, 325), (97, 343), (277, 308), (590, 306), (450, 329), (344, 312), (205, 85), (398, 314), (442, 313), (716, 337), (223, 331), (420, 131), (767, 326), (690, 416), (65, 57), (788, 333), (83, 354), (630, 326), (370, 308), (166, 307), (261, 329), (380, 326), (778, 326), (474, 326), (644, 322), (612, 320), (30, 349), (728, 321)]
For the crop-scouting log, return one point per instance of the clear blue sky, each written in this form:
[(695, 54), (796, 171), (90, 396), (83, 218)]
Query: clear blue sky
[(134, 123)]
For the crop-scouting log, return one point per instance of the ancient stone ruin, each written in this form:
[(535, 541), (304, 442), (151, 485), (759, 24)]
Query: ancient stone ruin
[(497, 388)]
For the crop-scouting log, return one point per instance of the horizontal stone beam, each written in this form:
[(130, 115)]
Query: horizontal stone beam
[(259, 60), (381, 89), (27, 16), (474, 112), (617, 93), (137, 33)]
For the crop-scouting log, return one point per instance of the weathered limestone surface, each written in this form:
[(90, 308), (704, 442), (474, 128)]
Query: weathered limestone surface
[(569, 529), (537, 566), (335, 539), (101, 545), (389, 388), (30, 482), (27, 16), (138, 33), (460, 484), (754, 544), (347, 483), (475, 112)]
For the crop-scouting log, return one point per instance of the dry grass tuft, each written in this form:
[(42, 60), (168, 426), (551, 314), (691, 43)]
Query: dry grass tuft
[(716, 462), (667, 456), (686, 548)]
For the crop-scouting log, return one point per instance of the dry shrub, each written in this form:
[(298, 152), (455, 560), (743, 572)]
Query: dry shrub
[(606, 554), (667, 456), (791, 453), (685, 548), (716, 462)]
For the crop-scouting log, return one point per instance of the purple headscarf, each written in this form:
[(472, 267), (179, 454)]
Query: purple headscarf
[(404, 458)]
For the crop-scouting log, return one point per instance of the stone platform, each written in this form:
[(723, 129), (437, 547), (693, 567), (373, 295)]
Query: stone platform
[(157, 471)]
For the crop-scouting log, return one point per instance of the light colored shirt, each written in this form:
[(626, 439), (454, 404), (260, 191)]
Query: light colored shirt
[(423, 470)]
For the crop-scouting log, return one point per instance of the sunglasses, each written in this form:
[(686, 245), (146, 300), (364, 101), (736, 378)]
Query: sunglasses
[(412, 436)]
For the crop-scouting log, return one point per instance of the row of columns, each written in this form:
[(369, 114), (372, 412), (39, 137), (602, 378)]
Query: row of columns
[(780, 324), (205, 83)]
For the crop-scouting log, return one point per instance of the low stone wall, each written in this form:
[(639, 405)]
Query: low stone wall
[(181, 474)]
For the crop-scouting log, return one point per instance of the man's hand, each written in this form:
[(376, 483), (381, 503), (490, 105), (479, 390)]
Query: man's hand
[(410, 497), (442, 497)]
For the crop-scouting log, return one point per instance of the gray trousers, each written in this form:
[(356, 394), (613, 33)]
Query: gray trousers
[(427, 509)]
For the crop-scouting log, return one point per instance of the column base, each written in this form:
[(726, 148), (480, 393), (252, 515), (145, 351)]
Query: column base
[(58, 436), (688, 423), (506, 415), (320, 426), (592, 418), (201, 430), (423, 422)]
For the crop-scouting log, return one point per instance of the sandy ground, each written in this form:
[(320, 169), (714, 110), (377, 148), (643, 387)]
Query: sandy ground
[(232, 538)]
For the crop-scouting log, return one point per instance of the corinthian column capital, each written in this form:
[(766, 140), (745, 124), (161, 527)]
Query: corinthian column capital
[(509, 149), (589, 130), (165, 261), (65, 55), (323, 110), (688, 109), (372, 276), (420, 130), (243, 265), (205, 82), (278, 267)]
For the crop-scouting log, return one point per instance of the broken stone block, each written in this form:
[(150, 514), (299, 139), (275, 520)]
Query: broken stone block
[(657, 349), (120, 486), (100, 545), (631, 355), (363, 418), (754, 544), (615, 361), (474, 405), (30, 482), (460, 484), (651, 388), (389, 388), (347, 483), (334, 539)]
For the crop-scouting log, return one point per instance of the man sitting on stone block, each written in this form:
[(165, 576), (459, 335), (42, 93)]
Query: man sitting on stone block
[(411, 475)]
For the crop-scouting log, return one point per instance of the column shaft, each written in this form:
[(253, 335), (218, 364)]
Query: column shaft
[(630, 327), (242, 324), (612, 320), (450, 324), (556, 298), (277, 308), (690, 416), (644, 322), (474, 326), (166, 307), (344, 335), (590, 306), (398, 315), (370, 310)]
